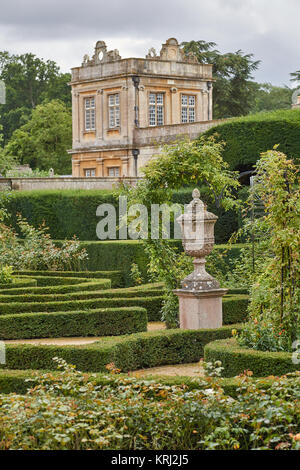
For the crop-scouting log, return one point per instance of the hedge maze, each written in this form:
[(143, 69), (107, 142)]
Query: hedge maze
[(96, 304), (44, 304)]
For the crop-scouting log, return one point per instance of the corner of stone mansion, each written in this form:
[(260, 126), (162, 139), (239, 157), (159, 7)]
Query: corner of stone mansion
[(124, 109)]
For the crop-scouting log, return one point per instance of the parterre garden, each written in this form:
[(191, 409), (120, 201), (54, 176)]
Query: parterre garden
[(248, 389)]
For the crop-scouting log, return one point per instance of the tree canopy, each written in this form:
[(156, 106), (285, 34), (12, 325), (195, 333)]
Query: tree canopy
[(233, 91), (29, 81), (44, 140)]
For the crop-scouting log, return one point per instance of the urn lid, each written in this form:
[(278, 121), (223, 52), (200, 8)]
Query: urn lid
[(196, 210)]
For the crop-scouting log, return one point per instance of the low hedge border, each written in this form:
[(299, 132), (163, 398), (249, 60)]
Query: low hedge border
[(151, 304), (82, 291), (16, 381), (45, 294), (18, 283), (236, 359), (116, 277), (103, 322), (234, 308), (131, 352)]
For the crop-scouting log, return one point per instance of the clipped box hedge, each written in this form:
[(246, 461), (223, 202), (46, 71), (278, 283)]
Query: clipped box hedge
[(234, 307), (116, 277), (77, 292), (102, 322), (18, 283), (76, 286), (131, 352), (236, 359), (151, 304)]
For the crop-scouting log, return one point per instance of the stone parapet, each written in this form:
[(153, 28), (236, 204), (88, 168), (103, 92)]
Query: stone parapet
[(169, 133), (29, 184), (141, 67)]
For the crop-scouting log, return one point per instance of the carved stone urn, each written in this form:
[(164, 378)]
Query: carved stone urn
[(200, 298)]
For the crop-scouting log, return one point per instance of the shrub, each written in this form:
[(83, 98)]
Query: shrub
[(151, 304), (37, 250), (76, 413), (236, 359), (6, 275), (18, 282)]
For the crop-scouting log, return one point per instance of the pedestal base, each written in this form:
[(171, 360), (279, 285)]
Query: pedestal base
[(200, 309)]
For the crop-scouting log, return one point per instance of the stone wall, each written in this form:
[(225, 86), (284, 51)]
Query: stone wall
[(29, 184)]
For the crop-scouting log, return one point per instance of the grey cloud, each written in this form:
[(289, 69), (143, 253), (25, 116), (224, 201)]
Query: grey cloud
[(69, 28)]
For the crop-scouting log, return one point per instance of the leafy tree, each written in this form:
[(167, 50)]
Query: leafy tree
[(43, 141), (6, 161), (29, 81), (269, 97), (233, 91), (295, 76)]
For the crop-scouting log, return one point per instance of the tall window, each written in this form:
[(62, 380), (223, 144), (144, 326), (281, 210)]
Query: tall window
[(90, 108), (188, 108), (114, 110), (156, 109)]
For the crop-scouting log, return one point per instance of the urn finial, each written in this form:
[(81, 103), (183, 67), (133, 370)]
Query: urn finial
[(196, 194)]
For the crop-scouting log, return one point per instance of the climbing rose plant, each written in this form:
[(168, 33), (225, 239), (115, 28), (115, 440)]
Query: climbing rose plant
[(275, 294)]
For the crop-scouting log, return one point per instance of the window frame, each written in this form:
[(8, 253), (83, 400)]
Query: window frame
[(157, 106), (90, 109), (90, 170), (114, 107), (188, 107), (114, 168)]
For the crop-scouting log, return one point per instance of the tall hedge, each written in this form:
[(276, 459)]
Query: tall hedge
[(69, 212), (120, 255), (247, 137)]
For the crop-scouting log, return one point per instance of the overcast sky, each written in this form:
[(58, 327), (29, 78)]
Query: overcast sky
[(65, 30)]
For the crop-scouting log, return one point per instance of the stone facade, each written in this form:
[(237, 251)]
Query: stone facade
[(297, 104), (123, 109)]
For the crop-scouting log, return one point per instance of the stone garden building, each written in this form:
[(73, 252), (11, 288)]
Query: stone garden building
[(123, 109)]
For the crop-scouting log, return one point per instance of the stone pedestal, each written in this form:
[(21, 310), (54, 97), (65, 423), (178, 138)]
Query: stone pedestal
[(200, 309), (200, 298)]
